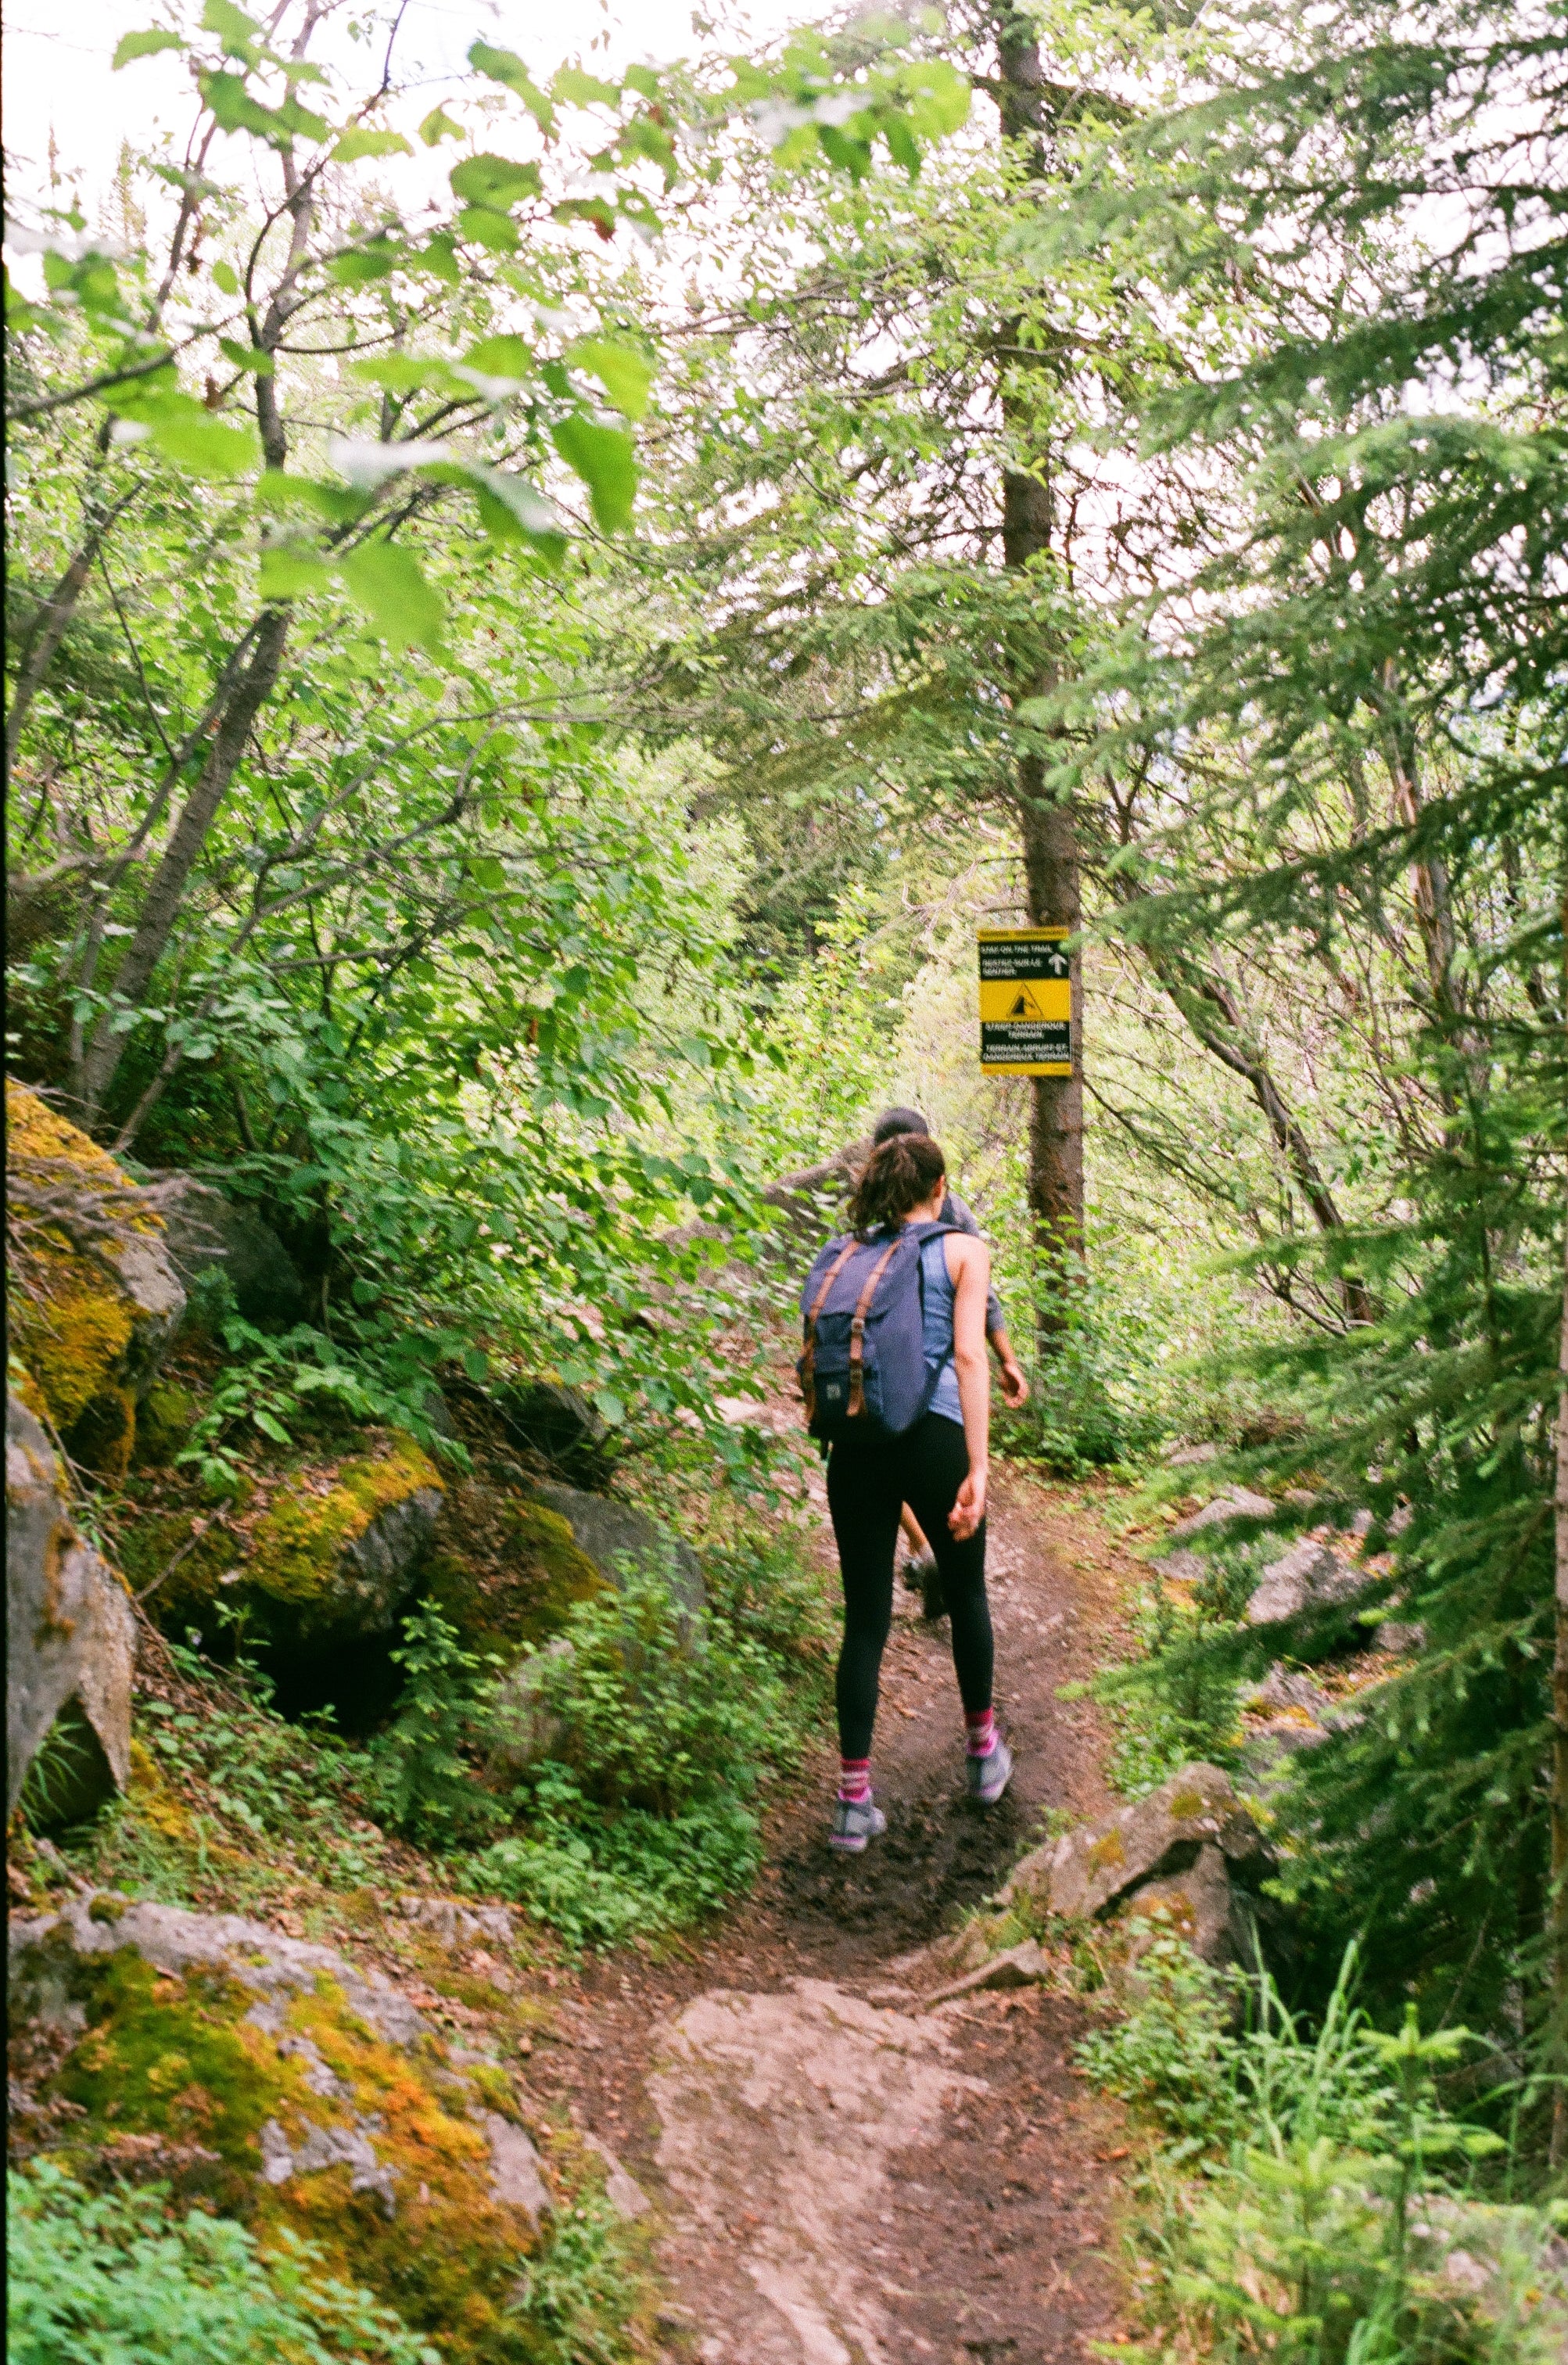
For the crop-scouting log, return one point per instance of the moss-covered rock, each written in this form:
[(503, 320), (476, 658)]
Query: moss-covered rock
[(98, 1300), (506, 1570), (286, 2087), (318, 1556), (165, 1420)]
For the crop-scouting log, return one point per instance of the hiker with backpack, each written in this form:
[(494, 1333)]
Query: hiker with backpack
[(896, 1386), (920, 1571)]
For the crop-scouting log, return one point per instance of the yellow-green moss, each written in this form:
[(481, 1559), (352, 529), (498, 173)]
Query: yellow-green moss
[(34, 1130), (153, 1802), (535, 1571), (164, 1418), (75, 1337), (297, 1544), (178, 2060)]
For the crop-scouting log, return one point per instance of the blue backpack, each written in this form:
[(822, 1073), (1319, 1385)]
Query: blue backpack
[(863, 1372)]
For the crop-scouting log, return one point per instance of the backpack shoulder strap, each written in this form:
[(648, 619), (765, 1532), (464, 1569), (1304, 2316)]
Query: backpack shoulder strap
[(858, 1326), (834, 1269), (807, 1366)]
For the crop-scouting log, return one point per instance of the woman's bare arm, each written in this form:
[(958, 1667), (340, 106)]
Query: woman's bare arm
[(969, 1269)]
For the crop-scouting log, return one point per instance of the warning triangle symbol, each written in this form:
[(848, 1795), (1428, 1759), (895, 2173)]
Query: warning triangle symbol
[(1026, 1006)]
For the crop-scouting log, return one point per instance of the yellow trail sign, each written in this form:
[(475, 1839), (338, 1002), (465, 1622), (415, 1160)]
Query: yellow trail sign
[(1026, 1003)]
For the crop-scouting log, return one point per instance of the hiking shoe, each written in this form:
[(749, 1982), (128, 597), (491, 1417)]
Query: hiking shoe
[(989, 1776), (932, 1600), (917, 1569), (856, 1820)]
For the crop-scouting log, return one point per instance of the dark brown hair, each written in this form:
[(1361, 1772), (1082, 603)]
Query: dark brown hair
[(900, 1174)]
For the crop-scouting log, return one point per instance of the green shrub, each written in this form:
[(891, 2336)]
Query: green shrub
[(113, 2279), (1333, 2184), (420, 1781), (662, 1705), (669, 1719), (580, 2289)]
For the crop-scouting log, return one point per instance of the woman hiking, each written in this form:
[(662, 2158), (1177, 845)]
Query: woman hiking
[(895, 1377)]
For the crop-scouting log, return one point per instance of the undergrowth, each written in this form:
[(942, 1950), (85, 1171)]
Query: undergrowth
[(668, 1723), (1313, 2194), (116, 2279)]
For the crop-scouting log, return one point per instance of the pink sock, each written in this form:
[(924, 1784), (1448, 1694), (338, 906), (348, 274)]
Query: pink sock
[(854, 1780), (982, 1729)]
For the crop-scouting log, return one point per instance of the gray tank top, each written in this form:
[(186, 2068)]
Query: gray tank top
[(938, 1329)]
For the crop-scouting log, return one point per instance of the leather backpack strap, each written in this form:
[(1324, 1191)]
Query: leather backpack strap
[(807, 1363), (857, 1327)]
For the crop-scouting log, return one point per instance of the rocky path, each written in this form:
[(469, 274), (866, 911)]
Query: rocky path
[(847, 2175)]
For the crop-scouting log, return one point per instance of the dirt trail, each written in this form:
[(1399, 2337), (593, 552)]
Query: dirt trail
[(848, 2177)]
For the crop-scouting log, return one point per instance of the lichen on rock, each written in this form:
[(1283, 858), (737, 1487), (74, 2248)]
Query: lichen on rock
[(342, 1558), (506, 1570), (96, 1302), (282, 2085)]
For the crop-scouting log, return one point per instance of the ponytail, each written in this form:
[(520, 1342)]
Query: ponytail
[(900, 1174)]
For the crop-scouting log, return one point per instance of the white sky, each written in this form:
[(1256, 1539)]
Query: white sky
[(58, 83)]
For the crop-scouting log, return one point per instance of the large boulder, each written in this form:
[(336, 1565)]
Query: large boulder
[(1169, 1849), (71, 1634), (94, 1297), (1235, 1503), (1308, 1576), (505, 1568), (327, 1556), (612, 1533), (281, 2084), (208, 1233)]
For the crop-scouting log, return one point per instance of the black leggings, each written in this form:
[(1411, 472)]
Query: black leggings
[(866, 1483)]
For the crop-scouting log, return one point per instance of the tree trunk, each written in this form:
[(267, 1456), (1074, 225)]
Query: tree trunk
[(1056, 1117), (48, 628), (164, 895), (1048, 830)]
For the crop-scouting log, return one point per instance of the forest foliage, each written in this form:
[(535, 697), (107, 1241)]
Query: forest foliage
[(523, 684)]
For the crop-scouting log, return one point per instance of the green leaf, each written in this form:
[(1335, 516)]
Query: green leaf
[(604, 458), (939, 97), (278, 490), (439, 258), (387, 581), (240, 34), (404, 372), (609, 1406), (576, 88), (438, 125), (522, 504), (643, 81), (506, 66), (203, 445), (226, 277), (287, 571), (496, 181), (500, 357), (355, 144), (362, 264), (233, 109), (620, 369), (483, 228), (246, 357), (144, 45)]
